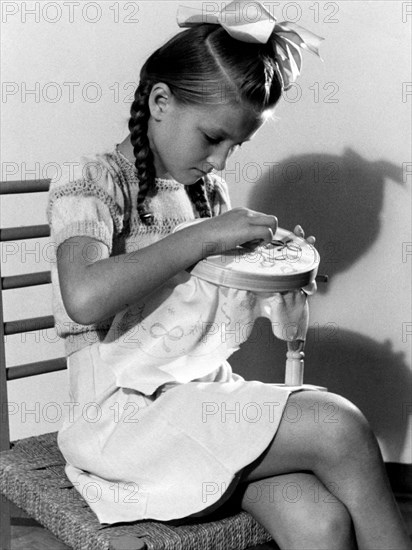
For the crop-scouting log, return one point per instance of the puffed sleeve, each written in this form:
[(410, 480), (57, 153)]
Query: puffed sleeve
[(86, 201), (218, 194)]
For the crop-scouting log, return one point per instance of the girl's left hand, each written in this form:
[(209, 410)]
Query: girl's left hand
[(298, 231)]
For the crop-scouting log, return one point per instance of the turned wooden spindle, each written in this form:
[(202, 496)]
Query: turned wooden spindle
[(294, 363)]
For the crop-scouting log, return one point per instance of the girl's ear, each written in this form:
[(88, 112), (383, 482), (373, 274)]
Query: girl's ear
[(160, 99)]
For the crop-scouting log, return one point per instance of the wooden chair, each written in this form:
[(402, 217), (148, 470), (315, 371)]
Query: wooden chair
[(32, 469), (32, 473)]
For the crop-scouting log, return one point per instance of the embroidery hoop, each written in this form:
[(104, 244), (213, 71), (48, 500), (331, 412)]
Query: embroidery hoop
[(289, 263)]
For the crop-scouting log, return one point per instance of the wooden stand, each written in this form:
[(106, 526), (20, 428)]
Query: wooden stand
[(295, 366), (294, 363)]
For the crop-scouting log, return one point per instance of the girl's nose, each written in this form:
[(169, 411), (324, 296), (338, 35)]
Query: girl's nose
[(218, 158)]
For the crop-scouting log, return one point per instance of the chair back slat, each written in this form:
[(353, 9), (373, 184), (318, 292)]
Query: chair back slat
[(25, 232), (28, 325), (38, 367), (24, 186), (24, 325), (4, 416), (26, 280)]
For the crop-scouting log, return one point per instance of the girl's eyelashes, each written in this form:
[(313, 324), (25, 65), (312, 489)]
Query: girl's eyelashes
[(216, 141), (212, 140)]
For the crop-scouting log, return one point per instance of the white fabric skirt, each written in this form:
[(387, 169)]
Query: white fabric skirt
[(168, 455)]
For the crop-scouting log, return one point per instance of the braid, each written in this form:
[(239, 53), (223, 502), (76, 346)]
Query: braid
[(138, 123), (197, 194), (144, 163)]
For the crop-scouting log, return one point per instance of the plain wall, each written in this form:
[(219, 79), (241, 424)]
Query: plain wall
[(335, 159)]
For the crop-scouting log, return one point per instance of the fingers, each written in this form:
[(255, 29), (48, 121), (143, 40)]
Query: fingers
[(250, 246), (298, 231), (267, 237), (257, 218), (255, 243), (268, 226)]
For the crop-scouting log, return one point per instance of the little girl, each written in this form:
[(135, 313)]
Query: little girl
[(162, 447)]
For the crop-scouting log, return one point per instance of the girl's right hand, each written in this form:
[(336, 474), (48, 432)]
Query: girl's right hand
[(237, 227)]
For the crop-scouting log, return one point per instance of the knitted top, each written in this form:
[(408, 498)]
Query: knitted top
[(97, 197)]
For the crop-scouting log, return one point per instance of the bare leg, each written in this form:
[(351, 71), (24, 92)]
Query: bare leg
[(326, 434), (300, 513)]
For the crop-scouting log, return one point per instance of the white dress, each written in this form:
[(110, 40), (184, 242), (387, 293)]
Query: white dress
[(162, 427)]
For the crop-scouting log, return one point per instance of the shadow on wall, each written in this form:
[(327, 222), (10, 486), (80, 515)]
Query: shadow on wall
[(366, 372), (336, 198), (339, 200)]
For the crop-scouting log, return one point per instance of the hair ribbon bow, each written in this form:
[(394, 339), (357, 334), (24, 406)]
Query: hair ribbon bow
[(250, 21)]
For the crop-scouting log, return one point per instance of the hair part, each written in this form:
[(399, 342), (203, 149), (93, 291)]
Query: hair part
[(201, 65)]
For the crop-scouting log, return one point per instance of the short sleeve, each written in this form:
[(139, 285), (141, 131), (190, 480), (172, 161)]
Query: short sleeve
[(218, 194), (84, 201)]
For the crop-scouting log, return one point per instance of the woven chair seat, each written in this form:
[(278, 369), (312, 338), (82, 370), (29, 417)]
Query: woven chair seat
[(32, 477)]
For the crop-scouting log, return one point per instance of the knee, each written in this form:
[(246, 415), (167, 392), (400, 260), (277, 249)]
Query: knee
[(352, 432), (344, 431), (333, 530), (329, 528)]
